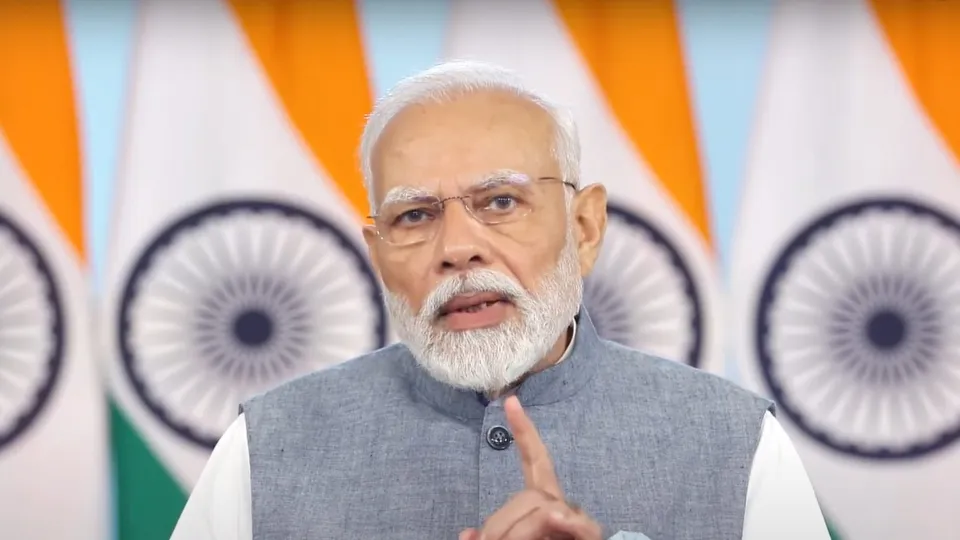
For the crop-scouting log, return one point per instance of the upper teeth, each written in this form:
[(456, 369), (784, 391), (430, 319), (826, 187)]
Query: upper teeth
[(476, 307)]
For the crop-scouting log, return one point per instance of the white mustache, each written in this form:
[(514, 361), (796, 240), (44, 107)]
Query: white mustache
[(475, 281)]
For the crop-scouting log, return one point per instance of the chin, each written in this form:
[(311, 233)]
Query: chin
[(480, 360), (472, 382)]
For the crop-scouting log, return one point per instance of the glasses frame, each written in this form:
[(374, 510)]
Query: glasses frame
[(441, 202)]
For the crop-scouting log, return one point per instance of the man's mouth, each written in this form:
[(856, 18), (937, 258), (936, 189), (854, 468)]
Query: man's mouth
[(471, 303)]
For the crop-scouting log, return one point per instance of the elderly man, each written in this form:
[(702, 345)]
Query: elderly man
[(501, 414)]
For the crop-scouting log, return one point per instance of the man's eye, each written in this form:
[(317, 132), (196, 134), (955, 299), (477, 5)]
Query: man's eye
[(412, 217), (502, 202)]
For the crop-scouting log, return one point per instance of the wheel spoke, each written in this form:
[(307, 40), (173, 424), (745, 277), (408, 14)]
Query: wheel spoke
[(641, 292), (264, 289), (875, 327)]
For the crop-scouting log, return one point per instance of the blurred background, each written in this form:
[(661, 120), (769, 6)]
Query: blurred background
[(180, 207)]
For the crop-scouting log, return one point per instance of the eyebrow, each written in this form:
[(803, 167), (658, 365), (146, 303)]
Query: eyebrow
[(405, 194), (502, 177)]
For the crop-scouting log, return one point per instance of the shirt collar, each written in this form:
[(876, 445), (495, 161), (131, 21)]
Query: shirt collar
[(573, 337)]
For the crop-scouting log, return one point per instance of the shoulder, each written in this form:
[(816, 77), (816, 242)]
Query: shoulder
[(685, 410), (641, 376), (352, 384)]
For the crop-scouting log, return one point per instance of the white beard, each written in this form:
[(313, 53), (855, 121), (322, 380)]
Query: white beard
[(491, 359)]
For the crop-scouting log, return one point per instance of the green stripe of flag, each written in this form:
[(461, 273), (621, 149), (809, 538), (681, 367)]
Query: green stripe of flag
[(148, 499), (832, 529)]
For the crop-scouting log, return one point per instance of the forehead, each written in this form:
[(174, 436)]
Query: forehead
[(462, 140)]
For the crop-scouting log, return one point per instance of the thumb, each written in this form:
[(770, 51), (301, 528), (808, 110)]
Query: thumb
[(469, 534)]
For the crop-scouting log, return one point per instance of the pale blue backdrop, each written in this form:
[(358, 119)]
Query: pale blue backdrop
[(724, 41)]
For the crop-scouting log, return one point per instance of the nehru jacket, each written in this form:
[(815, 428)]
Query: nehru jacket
[(376, 448)]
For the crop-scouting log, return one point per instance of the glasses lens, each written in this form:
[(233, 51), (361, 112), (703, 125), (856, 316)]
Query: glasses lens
[(410, 222), (504, 203), (407, 223)]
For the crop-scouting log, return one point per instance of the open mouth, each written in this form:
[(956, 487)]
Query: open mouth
[(472, 303)]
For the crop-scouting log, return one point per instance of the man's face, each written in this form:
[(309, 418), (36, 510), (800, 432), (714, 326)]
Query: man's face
[(479, 304)]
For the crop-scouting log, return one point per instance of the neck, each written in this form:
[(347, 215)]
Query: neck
[(552, 357)]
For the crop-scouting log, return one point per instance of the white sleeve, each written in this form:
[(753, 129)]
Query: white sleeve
[(780, 499), (219, 505)]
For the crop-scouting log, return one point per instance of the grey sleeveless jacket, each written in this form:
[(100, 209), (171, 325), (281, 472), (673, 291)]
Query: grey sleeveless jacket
[(375, 448)]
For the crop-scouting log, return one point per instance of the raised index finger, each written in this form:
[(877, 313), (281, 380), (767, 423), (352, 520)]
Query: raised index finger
[(538, 472)]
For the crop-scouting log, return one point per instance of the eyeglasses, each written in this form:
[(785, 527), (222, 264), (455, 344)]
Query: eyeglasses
[(416, 219)]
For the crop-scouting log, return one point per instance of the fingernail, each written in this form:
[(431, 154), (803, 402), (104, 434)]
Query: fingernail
[(558, 515)]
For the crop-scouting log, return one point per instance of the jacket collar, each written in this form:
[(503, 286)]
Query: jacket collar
[(557, 383)]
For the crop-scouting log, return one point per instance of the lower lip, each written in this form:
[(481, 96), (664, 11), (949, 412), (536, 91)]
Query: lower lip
[(485, 317)]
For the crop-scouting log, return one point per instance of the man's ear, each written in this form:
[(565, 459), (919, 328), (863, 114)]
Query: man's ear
[(373, 244), (590, 215)]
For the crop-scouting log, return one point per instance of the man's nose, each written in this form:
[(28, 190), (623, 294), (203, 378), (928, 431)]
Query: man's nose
[(461, 240)]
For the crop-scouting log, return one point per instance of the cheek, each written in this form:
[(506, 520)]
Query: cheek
[(404, 276), (529, 263)]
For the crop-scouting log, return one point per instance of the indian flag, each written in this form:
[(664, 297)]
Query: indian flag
[(237, 261), (53, 417), (619, 66), (846, 265)]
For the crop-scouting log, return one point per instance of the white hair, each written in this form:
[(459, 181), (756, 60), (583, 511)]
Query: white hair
[(451, 79)]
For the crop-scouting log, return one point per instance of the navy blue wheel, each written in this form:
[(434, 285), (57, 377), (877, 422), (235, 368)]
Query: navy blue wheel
[(858, 329), (235, 298), (32, 332), (642, 294)]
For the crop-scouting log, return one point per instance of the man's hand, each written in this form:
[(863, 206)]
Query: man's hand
[(539, 511)]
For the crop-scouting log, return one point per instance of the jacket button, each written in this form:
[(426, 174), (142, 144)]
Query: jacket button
[(499, 438)]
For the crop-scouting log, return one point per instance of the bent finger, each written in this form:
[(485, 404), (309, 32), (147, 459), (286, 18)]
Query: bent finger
[(574, 524)]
